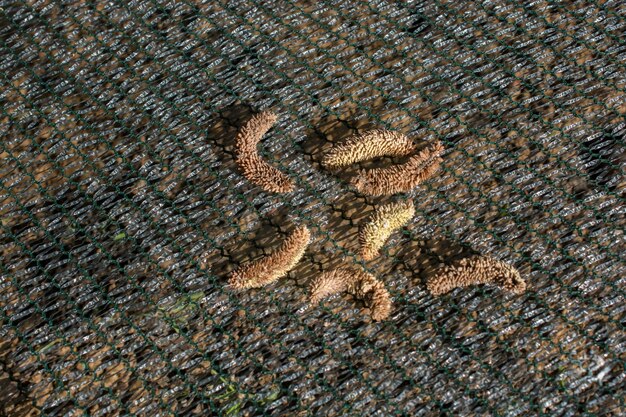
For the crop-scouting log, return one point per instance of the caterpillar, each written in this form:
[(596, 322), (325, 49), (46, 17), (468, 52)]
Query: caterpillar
[(476, 270), (376, 230), (400, 178), (362, 285), (368, 145), (273, 266), (253, 167)]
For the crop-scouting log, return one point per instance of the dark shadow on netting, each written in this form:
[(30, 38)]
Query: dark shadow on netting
[(604, 158), (224, 130), (325, 133), (420, 259), (262, 241)]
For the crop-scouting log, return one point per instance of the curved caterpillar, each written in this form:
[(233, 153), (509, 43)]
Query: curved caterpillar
[(476, 270), (253, 167), (369, 145), (273, 266), (400, 178), (376, 230), (362, 285)]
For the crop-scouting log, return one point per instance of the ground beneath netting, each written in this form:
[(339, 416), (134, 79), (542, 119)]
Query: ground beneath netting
[(122, 211)]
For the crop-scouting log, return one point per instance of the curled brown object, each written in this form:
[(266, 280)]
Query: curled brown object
[(368, 145), (362, 285), (476, 270), (375, 231), (273, 266), (253, 167), (400, 178)]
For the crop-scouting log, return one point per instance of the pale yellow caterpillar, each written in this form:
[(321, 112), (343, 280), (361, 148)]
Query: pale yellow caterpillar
[(368, 145), (375, 231)]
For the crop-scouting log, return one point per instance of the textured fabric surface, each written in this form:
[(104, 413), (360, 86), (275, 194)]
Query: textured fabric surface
[(122, 211)]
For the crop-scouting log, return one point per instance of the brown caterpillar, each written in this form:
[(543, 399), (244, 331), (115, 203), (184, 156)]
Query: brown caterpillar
[(253, 167), (377, 229), (273, 266), (476, 270), (369, 145), (400, 178), (329, 283), (362, 285)]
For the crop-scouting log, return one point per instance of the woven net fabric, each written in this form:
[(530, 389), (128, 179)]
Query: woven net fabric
[(122, 211)]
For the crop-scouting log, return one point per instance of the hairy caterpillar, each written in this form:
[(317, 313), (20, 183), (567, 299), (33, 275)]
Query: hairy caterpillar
[(400, 178), (253, 167), (476, 270), (376, 230), (369, 145), (362, 285), (273, 266)]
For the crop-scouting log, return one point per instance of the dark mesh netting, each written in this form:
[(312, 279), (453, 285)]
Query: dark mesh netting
[(123, 212)]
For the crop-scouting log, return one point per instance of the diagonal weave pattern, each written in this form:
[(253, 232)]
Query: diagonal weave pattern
[(122, 211)]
